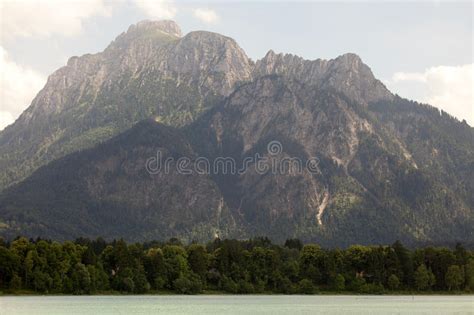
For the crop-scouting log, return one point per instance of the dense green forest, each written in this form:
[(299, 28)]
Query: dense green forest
[(231, 266)]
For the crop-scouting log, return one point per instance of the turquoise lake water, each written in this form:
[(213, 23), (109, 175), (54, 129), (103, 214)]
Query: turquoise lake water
[(236, 304)]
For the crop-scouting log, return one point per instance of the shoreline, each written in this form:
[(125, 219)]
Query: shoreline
[(223, 293)]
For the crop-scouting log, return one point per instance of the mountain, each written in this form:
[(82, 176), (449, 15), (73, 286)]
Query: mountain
[(376, 183), (108, 191), (346, 74), (383, 168), (148, 71)]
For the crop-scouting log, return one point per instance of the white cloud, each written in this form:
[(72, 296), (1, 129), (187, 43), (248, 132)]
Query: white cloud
[(449, 88), (157, 9), (206, 15), (18, 87), (44, 18)]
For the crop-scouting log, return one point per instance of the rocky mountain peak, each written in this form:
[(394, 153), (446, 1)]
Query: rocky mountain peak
[(166, 26), (346, 73), (203, 53), (349, 60), (349, 64), (146, 33)]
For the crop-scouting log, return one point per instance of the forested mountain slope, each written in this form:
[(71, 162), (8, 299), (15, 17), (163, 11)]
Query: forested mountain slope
[(385, 168)]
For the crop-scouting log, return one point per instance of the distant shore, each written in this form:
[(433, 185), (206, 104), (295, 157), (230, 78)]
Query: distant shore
[(221, 267), (213, 292)]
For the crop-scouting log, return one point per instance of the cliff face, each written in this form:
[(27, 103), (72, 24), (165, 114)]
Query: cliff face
[(346, 74), (147, 72), (384, 168)]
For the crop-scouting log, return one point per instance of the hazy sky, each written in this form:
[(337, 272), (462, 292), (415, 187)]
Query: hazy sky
[(420, 50)]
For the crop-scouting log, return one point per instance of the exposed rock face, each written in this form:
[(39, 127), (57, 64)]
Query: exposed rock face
[(230, 63), (387, 168), (168, 27), (346, 73), (149, 71)]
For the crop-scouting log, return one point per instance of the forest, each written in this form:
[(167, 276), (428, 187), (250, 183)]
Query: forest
[(229, 266)]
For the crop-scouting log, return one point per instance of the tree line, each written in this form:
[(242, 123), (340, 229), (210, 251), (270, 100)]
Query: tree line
[(232, 266)]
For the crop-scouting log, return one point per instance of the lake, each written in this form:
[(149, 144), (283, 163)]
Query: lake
[(236, 304)]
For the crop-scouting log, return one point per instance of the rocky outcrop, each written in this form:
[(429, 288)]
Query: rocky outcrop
[(346, 74), (165, 26)]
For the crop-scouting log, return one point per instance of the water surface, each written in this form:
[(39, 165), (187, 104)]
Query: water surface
[(236, 304)]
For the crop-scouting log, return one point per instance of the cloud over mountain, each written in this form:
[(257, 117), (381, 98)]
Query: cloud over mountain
[(206, 15), (449, 88), (19, 85)]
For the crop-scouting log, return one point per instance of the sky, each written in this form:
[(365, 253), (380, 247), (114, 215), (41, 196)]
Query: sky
[(421, 50)]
